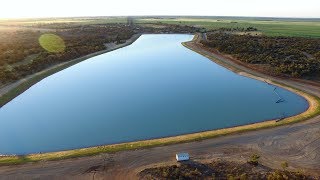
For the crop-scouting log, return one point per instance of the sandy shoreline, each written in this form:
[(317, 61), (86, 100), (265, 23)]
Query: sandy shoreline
[(200, 143)]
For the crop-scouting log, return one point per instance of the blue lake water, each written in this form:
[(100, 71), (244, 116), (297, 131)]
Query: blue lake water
[(150, 89)]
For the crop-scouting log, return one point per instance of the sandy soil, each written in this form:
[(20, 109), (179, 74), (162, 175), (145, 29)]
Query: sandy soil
[(298, 144)]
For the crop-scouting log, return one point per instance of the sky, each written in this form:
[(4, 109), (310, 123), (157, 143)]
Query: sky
[(75, 8)]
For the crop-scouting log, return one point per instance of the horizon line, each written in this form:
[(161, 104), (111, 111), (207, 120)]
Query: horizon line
[(199, 16)]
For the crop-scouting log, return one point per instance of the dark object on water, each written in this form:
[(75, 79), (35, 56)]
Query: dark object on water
[(280, 99)]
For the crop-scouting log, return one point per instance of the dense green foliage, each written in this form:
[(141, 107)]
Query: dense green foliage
[(293, 56)]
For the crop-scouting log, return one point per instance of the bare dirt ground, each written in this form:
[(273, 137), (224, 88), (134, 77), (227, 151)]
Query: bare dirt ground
[(298, 144)]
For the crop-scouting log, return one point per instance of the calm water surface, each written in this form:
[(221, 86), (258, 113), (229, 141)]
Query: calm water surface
[(152, 88)]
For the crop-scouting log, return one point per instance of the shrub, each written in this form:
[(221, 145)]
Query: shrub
[(254, 159), (284, 165)]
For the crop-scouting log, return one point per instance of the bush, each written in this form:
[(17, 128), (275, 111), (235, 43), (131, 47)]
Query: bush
[(254, 159), (284, 165)]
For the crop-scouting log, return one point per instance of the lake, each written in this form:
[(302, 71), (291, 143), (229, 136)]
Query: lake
[(150, 89)]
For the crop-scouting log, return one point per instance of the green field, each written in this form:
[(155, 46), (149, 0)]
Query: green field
[(270, 27)]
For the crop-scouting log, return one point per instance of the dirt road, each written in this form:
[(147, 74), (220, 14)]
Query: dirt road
[(298, 144)]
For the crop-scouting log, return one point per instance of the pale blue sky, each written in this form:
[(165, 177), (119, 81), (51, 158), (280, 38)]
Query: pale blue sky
[(65, 8)]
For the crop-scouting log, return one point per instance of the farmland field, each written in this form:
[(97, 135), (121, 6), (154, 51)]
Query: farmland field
[(270, 26)]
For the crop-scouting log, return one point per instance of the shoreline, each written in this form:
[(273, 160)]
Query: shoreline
[(313, 100), (10, 91), (313, 110)]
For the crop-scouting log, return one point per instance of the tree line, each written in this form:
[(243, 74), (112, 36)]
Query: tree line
[(290, 56)]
